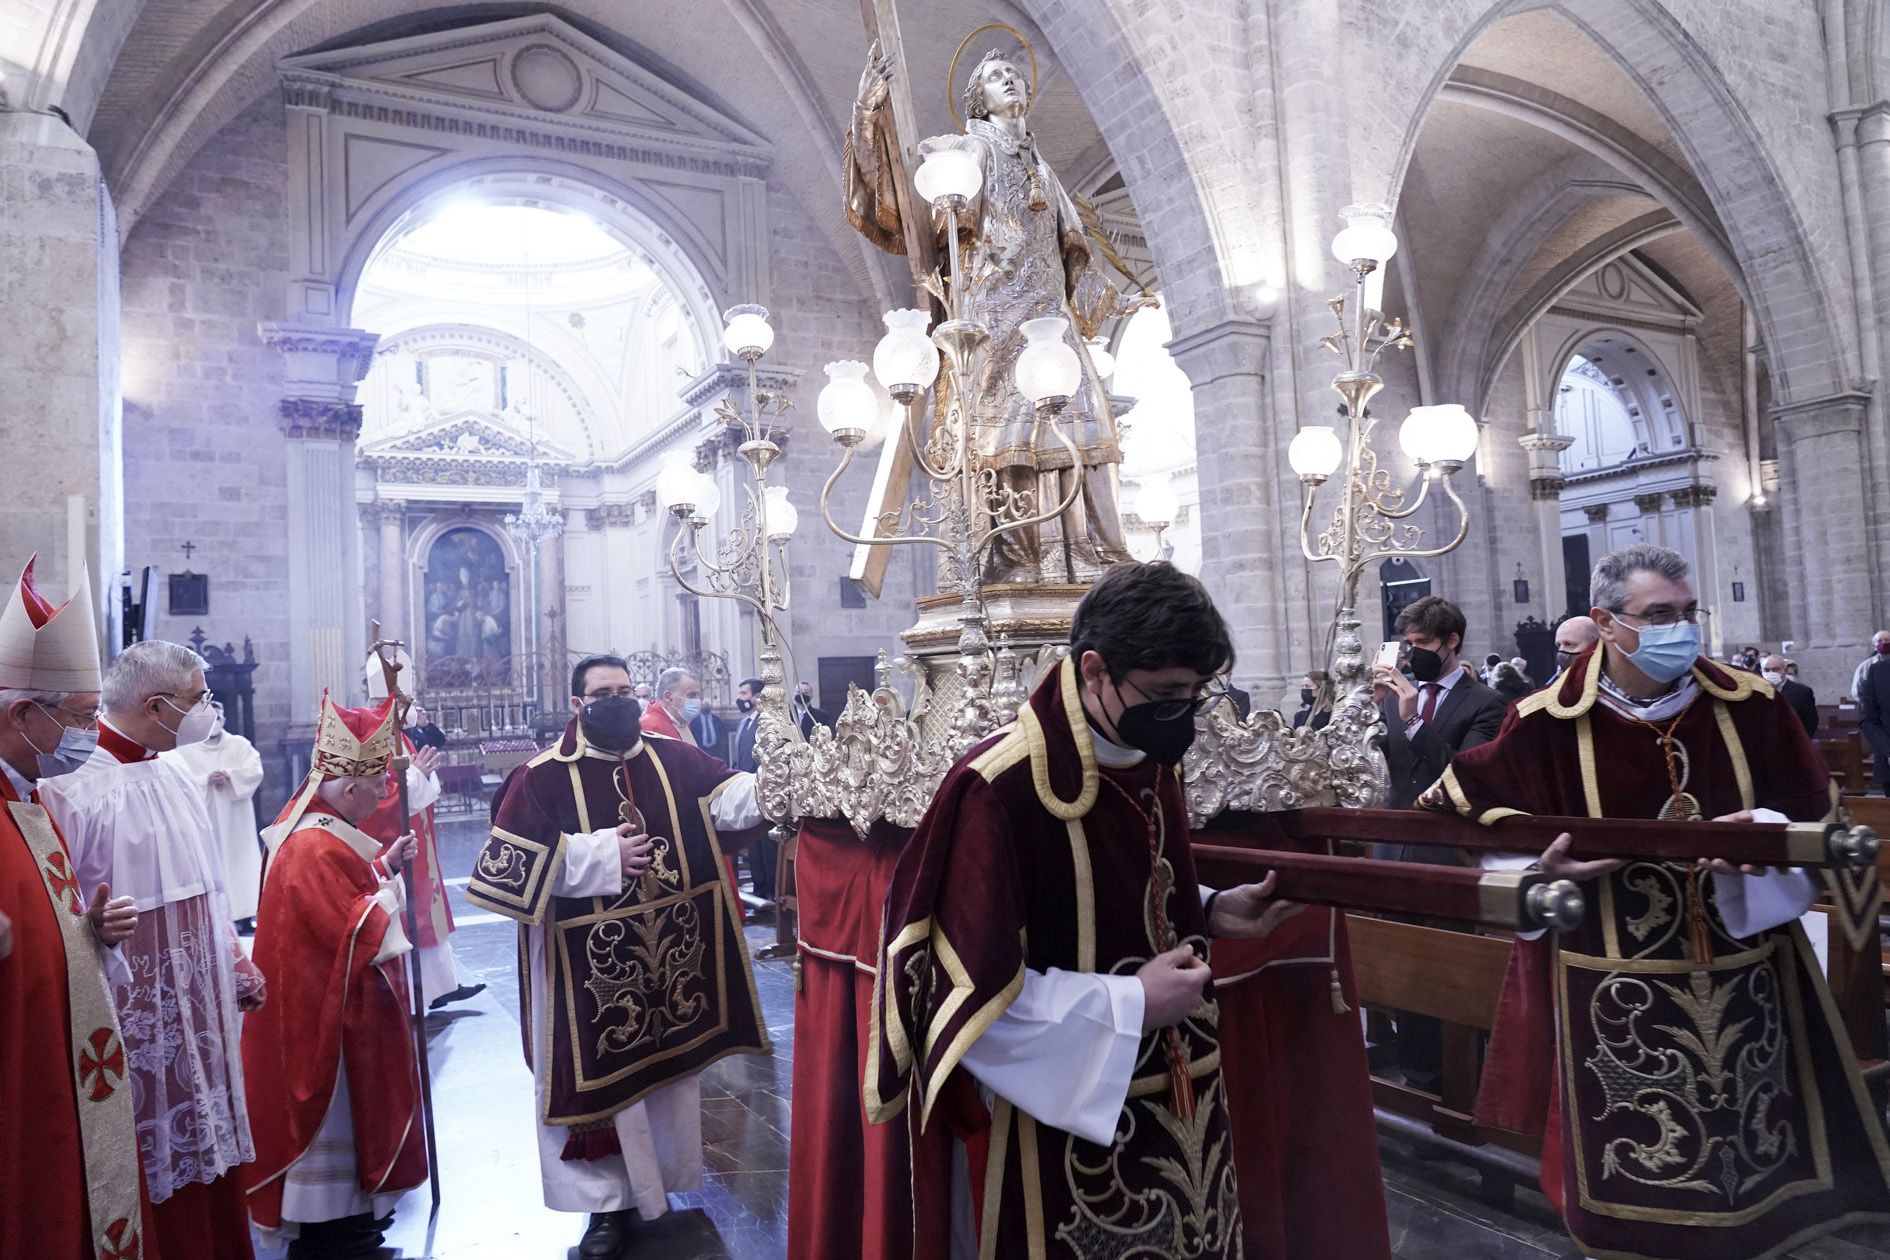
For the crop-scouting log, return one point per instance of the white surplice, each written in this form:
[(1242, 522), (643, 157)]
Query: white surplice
[(661, 1135), (142, 828), (232, 816)]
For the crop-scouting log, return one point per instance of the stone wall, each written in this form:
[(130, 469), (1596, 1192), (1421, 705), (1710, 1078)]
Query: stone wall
[(203, 456)]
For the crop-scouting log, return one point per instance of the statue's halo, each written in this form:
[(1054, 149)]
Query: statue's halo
[(952, 87)]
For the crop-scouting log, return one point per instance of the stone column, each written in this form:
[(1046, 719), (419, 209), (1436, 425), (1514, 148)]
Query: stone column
[(1546, 483), (59, 358), (1653, 517), (1597, 514), (321, 420), (394, 576), (1242, 476), (1695, 535), (1823, 487), (550, 633)]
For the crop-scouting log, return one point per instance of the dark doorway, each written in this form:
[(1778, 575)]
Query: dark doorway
[(835, 673), (1402, 585), (1575, 565)]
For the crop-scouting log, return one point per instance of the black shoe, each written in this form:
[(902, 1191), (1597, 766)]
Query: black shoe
[(607, 1236), (460, 994), (349, 1238)]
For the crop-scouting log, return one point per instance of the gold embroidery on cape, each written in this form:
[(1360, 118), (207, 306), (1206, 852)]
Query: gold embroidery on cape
[(1184, 1204), (1694, 1062), (503, 867), (649, 967)]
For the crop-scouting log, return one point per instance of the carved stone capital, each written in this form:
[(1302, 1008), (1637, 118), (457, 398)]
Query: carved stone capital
[(1695, 496), (610, 516), (645, 504), (1649, 504), (1542, 489), (1597, 513), (322, 361), (319, 418), (380, 510)]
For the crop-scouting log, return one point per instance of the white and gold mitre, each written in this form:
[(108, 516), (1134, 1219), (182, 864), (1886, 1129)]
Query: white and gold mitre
[(351, 743), (43, 648)]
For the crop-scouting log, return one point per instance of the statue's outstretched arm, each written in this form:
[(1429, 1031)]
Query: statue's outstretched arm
[(869, 164)]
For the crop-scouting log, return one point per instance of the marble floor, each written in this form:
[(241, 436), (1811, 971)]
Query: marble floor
[(491, 1207)]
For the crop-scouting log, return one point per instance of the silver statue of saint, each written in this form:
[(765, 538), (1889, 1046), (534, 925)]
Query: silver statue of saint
[(1023, 253)]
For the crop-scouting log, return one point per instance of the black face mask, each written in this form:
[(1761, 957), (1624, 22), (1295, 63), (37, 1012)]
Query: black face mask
[(613, 723), (1155, 728), (1306, 696), (743, 706), (1564, 659), (1426, 665)]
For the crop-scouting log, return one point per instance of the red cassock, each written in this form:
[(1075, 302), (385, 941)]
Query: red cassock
[(849, 1181), (319, 929), (70, 1185), (1299, 1093), (433, 914), (1695, 1093)]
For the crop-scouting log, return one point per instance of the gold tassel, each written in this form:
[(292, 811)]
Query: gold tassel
[(1338, 996), (1700, 931), (1180, 1087)]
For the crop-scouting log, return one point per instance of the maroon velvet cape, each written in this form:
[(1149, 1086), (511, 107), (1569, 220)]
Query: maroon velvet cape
[(849, 1181), (1029, 858), (318, 930), (1696, 1112), (645, 988)]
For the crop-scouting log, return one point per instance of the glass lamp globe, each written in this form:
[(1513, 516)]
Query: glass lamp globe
[(1156, 502), (948, 173), (678, 486), (1315, 452), (848, 408), (746, 332), (1100, 356), (1047, 367), (1367, 234), (778, 516), (1445, 433), (905, 360), (708, 497)]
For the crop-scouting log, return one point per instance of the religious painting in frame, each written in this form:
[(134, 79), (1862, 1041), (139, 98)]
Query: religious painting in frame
[(468, 611), (189, 594)]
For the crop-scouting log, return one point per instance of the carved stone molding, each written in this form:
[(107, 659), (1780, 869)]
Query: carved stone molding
[(1695, 496), (1597, 513), (610, 516), (319, 418), (378, 510), (1649, 504), (1545, 488), (321, 359)]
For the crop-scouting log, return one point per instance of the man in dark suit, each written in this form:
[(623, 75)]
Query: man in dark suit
[(424, 732), (1803, 700), (1438, 712), (806, 713), (1873, 719), (764, 854)]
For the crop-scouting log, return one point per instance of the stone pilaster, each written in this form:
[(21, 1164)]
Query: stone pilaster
[(1244, 531), (1823, 487), (60, 357), (1695, 535), (394, 576), (320, 419), (1546, 483)]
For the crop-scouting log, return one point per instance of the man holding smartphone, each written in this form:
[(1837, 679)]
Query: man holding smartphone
[(1430, 717)]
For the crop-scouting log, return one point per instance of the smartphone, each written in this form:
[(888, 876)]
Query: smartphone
[(1388, 653)]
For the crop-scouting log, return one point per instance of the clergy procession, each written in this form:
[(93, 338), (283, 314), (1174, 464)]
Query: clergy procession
[(513, 747)]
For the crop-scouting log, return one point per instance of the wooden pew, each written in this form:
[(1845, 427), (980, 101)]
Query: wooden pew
[(1849, 761), (1857, 976)]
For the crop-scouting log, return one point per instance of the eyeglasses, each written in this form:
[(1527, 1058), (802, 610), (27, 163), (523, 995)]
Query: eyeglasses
[(607, 693), (1205, 696), (86, 721), (207, 697), (1666, 616)]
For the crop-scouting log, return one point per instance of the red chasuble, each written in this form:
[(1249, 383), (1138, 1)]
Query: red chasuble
[(645, 988), (849, 1180), (1030, 857), (319, 928), (70, 1185), (1695, 1110), (433, 917)]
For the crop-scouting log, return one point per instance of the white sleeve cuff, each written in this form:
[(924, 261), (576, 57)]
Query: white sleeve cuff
[(1750, 904), (735, 807), (1065, 1050), (592, 866), (395, 943), (422, 789)]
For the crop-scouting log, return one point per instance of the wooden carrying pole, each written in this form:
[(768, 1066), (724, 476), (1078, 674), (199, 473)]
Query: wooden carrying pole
[(1767, 844), (1516, 900), (390, 670)]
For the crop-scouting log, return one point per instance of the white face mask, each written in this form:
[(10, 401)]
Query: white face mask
[(197, 723), (1774, 677)]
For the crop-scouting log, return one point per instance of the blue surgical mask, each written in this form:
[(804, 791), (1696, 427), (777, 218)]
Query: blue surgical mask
[(691, 710), (1666, 652), (74, 749)]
